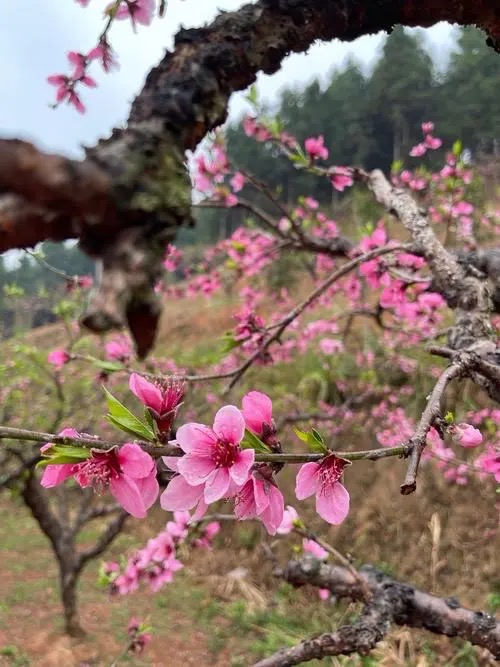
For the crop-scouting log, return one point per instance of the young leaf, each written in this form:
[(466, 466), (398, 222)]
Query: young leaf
[(125, 420), (108, 366), (302, 435), (251, 441)]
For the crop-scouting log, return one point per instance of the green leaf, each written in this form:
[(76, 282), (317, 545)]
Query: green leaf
[(59, 454), (449, 418), (314, 440), (108, 366), (253, 96), (302, 435), (396, 166), (229, 343), (251, 441), (133, 427), (457, 148), (125, 420), (318, 436), (70, 450), (149, 420)]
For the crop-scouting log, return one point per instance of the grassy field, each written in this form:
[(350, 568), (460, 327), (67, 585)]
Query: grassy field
[(225, 608)]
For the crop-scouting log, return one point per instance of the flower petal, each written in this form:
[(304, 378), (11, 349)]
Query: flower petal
[(229, 424), (148, 393), (195, 469), (332, 503), (171, 462), (127, 493), (179, 495), (257, 409), (240, 470), (134, 461), (55, 474), (307, 480), (195, 438), (149, 489), (273, 515), (217, 485), (244, 506)]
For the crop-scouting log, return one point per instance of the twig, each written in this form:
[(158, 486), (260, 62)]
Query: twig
[(432, 410), (301, 307), (7, 432)]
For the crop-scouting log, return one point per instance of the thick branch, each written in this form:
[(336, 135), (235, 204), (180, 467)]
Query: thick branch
[(138, 177), (404, 605), (111, 531)]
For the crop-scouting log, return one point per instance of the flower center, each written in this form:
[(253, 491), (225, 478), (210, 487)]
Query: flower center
[(224, 454), (331, 470), (98, 470)]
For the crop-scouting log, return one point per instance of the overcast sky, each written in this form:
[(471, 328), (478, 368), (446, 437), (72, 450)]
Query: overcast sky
[(35, 36)]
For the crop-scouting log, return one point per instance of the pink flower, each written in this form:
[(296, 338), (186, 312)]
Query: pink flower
[(162, 398), (289, 517), (257, 409), (137, 637), (489, 462), (58, 358), (330, 346), (260, 498), (208, 532), (118, 349), (65, 90), (129, 473), (322, 479), (341, 178), (213, 455), (315, 148), (312, 547), (466, 435), (179, 495), (105, 54), (139, 11), (237, 181), (55, 474), (433, 142), (418, 150), (230, 200), (428, 127)]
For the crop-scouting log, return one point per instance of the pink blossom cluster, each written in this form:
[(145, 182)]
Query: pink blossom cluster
[(216, 466), (173, 257), (429, 143), (128, 472), (138, 11), (157, 562)]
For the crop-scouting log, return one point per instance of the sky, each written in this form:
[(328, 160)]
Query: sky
[(35, 36)]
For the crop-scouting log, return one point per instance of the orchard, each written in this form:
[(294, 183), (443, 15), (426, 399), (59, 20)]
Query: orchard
[(316, 391)]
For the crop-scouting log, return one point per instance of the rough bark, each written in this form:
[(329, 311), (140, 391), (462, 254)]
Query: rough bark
[(62, 535), (393, 602), (136, 178)]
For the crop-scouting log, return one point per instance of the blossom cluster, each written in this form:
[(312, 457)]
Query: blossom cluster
[(156, 563)]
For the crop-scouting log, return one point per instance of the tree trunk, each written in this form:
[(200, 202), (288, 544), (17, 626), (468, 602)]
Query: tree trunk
[(63, 544), (68, 578)]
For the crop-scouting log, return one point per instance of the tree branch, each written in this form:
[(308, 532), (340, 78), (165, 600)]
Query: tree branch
[(136, 178), (393, 602)]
